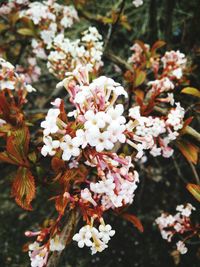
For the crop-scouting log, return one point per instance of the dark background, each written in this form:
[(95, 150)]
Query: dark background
[(162, 181)]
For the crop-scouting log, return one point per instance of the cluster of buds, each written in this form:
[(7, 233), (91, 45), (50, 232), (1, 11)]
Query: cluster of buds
[(66, 54), (179, 224), (171, 65), (154, 133), (139, 54), (51, 18)]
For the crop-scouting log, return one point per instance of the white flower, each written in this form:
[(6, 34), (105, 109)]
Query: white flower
[(83, 237), (181, 247), (34, 246), (55, 244), (175, 117), (30, 88), (86, 195), (106, 232), (38, 257), (50, 123), (56, 102), (94, 120), (7, 85), (137, 3), (69, 147), (50, 146), (155, 151), (185, 211), (102, 141)]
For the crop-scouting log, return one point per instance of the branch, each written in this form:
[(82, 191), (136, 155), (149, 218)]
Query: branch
[(118, 60), (66, 236)]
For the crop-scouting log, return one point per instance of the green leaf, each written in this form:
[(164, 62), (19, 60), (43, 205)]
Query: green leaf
[(191, 91), (139, 78), (194, 189), (3, 27), (26, 32)]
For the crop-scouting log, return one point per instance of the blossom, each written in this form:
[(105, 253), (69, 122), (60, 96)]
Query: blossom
[(92, 237), (87, 196), (181, 247), (174, 62), (55, 244), (50, 122), (12, 79), (185, 211), (38, 255), (50, 146), (70, 54), (180, 223), (137, 3), (83, 237), (106, 232), (69, 147), (175, 117)]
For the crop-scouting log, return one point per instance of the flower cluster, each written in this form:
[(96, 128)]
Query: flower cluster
[(67, 54), (39, 253), (99, 123), (87, 136), (174, 62), (154, 133), (51, 18), (180, 223), (11, 80), (95, 239), (12, 6)]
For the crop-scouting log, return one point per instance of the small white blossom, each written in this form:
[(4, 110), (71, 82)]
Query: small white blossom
[(181, 247)]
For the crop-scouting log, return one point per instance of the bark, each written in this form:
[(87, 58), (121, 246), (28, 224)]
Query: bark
[(66, 236)]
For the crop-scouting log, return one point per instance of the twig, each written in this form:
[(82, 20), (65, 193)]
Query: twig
[(196, 176), (180, 175), (118, 60)]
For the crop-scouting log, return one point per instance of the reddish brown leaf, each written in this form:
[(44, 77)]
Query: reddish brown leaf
[(186, 123), (189, 151), (134, 220), (4, 156), (158, 44), (57, 164), (23, 188), (61, 203), (17, 146)]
